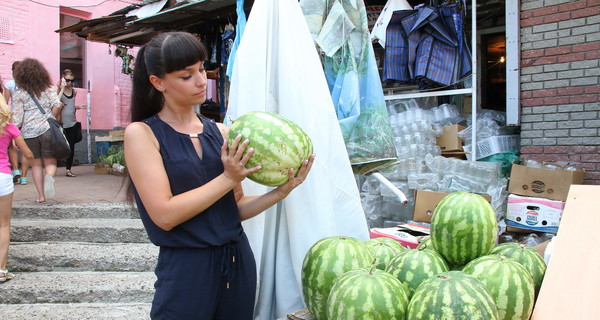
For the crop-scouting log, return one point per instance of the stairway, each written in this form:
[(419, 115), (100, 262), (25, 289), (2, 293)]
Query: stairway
[(78, 261)]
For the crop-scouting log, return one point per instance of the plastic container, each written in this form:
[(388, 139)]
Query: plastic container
[(492, 145)]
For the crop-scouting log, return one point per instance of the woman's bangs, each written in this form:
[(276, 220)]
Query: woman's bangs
[(182, 52)]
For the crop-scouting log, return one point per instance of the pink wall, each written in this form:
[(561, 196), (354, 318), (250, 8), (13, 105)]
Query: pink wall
[(31, 26)]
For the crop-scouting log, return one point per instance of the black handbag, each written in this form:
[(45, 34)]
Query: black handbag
[(60, 145)]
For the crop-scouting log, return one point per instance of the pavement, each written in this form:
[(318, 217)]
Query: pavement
[(86, 187)]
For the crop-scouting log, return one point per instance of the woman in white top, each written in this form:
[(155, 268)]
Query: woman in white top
[(34, 84)]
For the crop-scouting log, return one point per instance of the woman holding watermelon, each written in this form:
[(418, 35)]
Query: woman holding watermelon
[(186, 184)]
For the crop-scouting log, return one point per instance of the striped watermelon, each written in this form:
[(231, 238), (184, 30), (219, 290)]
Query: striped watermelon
[(415, 266), (463, 227), (452, 295), (367, 294), (527, 256), (383, 250), (508, 281), (425, 243), (324, 262), (279, 144)]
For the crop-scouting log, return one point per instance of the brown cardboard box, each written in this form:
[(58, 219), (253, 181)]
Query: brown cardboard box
[(426, 201), (449, 140), (542, 183)]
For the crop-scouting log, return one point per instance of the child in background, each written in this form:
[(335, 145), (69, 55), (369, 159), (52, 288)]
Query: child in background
[(8, 132)]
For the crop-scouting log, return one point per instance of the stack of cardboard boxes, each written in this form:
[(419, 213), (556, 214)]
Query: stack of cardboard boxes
[(537, 197)]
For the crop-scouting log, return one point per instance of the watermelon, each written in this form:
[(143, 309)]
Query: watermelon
[(452, 295), (383, 250), (425, 243), (463, 227), (527, 256), (324, 262), (509, 283), (415, 266), (279, 144), (367, 294)]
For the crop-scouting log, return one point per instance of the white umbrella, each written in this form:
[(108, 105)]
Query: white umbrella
[(277, 69)]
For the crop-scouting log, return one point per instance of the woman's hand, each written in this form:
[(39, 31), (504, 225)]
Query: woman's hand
[(293, 182), (234, 160)]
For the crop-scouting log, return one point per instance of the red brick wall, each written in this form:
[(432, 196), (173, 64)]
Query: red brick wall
[(560, 87)]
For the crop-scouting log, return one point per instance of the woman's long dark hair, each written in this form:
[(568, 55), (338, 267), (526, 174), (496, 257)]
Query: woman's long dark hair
[(165, 53)]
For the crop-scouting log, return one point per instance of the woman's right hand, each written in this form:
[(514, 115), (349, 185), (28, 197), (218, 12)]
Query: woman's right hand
[(234, 160)]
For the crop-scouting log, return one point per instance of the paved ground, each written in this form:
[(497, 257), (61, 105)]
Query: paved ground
[(87, 187)]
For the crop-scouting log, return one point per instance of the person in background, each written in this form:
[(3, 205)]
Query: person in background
[(19, 176), (186, 183), (34, 84), (67, 116), (8, 133)]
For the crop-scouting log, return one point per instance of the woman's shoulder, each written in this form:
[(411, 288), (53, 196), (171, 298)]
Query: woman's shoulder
[(224, 129)]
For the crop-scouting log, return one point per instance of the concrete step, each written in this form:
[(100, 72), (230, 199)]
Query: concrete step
[(82, 256), (79, 230), (78, 287), (75, 211), (75, 311)]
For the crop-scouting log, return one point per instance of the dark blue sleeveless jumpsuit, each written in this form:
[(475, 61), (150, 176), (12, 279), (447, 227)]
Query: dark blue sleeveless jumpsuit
[(205, 269)]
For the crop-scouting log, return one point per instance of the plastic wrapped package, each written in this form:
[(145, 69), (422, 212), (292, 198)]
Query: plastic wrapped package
[(371, 185), (424, 181), (371, 203)]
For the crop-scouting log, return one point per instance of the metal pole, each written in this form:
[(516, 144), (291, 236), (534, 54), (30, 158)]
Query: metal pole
[(88, 122)]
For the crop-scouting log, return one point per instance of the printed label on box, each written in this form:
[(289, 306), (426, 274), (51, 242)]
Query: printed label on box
[(537, 214)]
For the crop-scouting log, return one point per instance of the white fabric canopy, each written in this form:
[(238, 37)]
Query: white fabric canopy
[(277, 69)]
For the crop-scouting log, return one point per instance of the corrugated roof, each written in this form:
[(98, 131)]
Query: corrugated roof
[(118, 28)]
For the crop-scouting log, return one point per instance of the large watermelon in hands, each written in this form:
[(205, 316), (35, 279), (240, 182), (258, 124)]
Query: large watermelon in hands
[(367, 294), (279, 144), (324, 262), (527, 256), (463, 227), (509, 283), (452, 295)]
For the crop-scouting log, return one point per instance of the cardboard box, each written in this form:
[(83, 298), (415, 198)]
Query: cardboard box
[(537, 214), (449, 140), (426, 201), (543, 183), (407, 234)]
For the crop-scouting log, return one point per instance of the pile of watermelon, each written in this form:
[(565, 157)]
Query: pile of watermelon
[(459, 273)]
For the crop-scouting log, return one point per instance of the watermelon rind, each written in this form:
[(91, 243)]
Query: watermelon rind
[(452, 295), (324, 262), (527, 256), (509, 283), (367, 294), (463, 227), (383, 251), (279, 144), (412, 267)]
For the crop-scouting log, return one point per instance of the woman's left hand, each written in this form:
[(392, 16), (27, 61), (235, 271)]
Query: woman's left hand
[(293, 182)]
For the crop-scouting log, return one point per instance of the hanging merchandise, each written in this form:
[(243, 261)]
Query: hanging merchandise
[(239, 31), (379, 30), (277, 69), (427, 46), (127, 66), (340, 31)]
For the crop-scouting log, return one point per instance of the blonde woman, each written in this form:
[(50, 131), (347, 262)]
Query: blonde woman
[(8, 132)]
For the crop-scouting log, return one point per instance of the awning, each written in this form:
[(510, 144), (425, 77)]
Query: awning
[(122, 28)]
